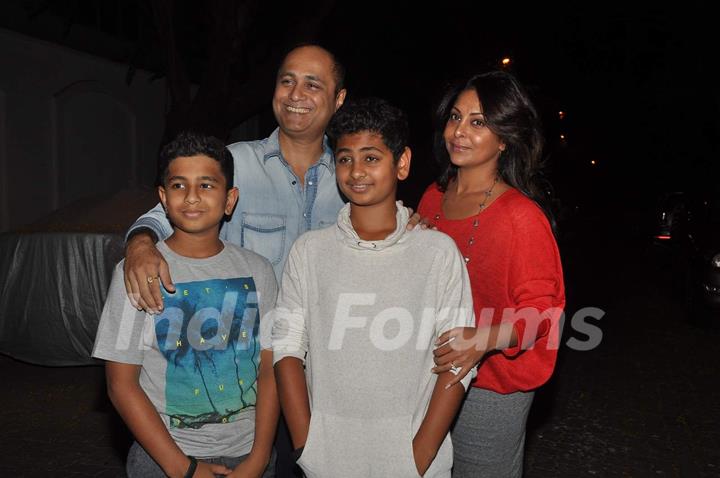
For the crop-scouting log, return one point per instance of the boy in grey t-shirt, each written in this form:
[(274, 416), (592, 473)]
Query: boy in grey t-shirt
[(195, 383)]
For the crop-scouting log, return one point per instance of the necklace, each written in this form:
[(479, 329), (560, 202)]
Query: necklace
[(476, 221)]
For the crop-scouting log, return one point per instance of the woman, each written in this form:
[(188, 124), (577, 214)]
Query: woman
[(489, 142)]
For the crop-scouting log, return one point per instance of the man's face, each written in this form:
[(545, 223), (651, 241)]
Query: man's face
[(195, 195), (365, 169), (305, 99)]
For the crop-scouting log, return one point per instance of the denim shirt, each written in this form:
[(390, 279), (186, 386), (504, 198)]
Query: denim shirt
[(274, 207)]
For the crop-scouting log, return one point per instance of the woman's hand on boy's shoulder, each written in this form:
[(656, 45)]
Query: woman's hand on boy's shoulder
[(417, 220)]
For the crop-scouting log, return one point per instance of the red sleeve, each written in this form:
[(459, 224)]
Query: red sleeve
[(535, 280)]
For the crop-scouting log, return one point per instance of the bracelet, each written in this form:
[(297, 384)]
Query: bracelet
[(191, 468)]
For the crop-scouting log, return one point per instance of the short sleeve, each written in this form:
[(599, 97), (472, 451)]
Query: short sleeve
[(119, 336)]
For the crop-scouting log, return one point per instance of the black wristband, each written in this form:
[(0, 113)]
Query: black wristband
[(296, 453), (191, 468)]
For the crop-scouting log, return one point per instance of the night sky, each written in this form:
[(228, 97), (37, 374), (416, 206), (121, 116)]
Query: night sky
[(637, 82)]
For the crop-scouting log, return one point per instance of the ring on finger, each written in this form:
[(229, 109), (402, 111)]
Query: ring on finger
[(454, 368), (150, 279)]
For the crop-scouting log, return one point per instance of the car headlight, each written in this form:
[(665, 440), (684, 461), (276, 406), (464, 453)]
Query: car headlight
[(716, 261)]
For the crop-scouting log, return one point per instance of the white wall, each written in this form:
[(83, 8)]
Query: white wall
[(70, 127)]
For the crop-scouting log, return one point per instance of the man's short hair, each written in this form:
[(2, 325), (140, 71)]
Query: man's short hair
[(338, 70)]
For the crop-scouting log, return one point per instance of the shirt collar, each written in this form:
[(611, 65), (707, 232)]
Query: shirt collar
[(272, 150)]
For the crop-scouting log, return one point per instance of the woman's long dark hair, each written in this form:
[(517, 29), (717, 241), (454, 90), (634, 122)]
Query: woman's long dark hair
[(510, 114)]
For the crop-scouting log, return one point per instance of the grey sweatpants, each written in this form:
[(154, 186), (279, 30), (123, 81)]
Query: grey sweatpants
[(489, 435), (141, 465)]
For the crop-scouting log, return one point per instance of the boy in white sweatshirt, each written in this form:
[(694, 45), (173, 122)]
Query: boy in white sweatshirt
[(360, 306)]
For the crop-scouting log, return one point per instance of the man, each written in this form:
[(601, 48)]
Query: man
[(286, 183)]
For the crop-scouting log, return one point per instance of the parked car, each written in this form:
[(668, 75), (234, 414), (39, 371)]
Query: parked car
[(703, 251), (672, 217), (686, 237)]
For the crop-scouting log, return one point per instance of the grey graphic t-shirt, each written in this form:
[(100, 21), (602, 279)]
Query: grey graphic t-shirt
[(200, 357)]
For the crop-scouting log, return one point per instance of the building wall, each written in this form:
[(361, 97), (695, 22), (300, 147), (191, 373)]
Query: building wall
[(4, 183), (70, 127)]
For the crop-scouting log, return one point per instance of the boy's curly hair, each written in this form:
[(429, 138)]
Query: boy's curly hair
[(375, 115)]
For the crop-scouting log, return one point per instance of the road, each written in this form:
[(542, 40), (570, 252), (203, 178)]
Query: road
[(644, 403)]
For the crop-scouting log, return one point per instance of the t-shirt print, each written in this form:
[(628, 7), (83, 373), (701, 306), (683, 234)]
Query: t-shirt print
[(208, 334)]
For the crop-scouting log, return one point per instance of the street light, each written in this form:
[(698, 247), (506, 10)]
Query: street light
[(505, 62)]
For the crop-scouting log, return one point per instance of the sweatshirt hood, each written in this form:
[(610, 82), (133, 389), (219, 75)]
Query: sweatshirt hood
[(347, 234)]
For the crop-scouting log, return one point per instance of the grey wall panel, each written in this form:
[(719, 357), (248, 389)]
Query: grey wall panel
[(96, 138), (73, 127)]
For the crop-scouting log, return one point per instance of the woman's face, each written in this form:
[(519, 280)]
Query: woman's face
[(468, 140)]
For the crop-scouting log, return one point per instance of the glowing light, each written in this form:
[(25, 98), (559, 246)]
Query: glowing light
[(561, 114), (593, 162), (505, 61), (562, 136)]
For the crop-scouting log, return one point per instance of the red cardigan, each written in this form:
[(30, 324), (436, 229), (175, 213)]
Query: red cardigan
[(514, 265)]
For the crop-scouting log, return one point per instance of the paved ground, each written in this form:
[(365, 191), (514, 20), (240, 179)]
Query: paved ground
[(645, 402)]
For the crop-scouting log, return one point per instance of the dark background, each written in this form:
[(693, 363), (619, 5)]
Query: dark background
[(637, 82), (639, 89)]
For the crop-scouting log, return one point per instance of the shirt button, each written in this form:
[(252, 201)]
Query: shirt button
[(304, 214), (310, 183)]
